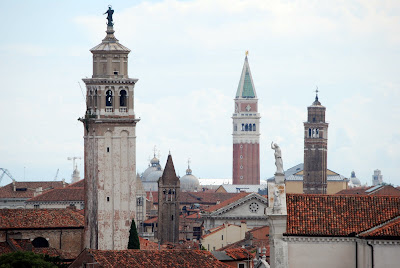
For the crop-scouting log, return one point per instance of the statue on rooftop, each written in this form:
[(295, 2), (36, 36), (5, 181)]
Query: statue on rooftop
[(278, 158), (109, 13)]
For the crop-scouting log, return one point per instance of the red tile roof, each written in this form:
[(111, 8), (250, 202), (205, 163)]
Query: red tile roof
[(80, 184), (207, 198), (7, 191), (155, 258), (372, 190), (239, 254), (40, 218), (338, 215), (147, 245), (234, 198), (390, 229), (61, 194)]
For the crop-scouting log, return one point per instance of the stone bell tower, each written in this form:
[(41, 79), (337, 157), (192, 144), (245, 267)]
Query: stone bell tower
[(315, 149), (168, 205), (246, 131), (110, 146)]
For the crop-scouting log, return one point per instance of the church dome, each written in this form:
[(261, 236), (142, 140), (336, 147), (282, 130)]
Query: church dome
[(153, 167), (189, 182), (354, 181), (154, 176)]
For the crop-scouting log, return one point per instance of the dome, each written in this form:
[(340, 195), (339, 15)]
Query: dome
[(354, 181), (146, 173), (154, 176), (153, 167), (189, 182)]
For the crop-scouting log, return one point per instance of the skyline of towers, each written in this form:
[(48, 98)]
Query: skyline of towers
[(246, 131)]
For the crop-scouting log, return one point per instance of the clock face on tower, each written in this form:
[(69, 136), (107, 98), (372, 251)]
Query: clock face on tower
[(253, 207)]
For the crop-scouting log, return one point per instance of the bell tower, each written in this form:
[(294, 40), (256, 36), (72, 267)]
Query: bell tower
[(109, 146), (315, 149), (246, 131)]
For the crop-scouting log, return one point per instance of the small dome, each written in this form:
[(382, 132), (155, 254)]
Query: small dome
[(354, 181), (189, 182), (154, 161)]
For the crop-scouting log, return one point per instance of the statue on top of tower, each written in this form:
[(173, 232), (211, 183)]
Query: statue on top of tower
[(278, 158), (109, 13)]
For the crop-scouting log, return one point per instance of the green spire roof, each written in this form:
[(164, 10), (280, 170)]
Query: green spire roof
[(246, 87)]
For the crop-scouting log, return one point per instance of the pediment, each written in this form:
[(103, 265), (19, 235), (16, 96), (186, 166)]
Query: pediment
[(248, 206)]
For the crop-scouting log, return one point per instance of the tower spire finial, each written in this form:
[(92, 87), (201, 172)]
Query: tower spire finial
[(316, 93)]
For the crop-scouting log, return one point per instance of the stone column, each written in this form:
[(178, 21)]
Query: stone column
[(277, 219)]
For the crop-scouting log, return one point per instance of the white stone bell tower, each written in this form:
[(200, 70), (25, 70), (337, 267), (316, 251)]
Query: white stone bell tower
[(110, 146)]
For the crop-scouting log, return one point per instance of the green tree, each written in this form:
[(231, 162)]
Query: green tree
[(133, 242), (24, 259)]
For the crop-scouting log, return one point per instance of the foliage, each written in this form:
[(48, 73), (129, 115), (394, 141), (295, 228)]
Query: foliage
[(133, 237), (24, 259)]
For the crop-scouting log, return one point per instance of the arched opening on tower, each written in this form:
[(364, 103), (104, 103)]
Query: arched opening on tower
[(122, 98), (40, 242), (109, 98)]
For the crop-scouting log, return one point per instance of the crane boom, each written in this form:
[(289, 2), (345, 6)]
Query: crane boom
[(6, 172)]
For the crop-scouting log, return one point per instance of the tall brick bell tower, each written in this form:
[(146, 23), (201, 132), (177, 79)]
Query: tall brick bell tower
[(246, 131), (315, 149), (110, 146)]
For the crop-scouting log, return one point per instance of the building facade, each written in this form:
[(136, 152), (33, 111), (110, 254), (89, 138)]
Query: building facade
[(109, 146), (246, 131), (168, 205), (315, 150)]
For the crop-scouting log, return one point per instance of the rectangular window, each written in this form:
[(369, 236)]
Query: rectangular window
[(222, 237), (241, 265), (108, 199), (108, 149), (36, 206)]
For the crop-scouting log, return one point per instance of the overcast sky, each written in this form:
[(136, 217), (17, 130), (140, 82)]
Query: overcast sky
[(188, 57)]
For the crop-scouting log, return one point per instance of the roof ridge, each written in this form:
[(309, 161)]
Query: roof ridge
[(379, 226)]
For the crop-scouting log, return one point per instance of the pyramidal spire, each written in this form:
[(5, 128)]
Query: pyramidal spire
[(246, 87), (169, 174)]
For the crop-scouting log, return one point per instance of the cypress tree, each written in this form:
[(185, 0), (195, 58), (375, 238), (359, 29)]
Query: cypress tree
[(133, 242)]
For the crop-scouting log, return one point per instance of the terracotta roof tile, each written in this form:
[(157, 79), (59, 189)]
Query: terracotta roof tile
[(239, 254), (338, 215), (372, 190), (390, 229), (227, 202), (27, 188), (147, 245), (61, 194), (203, 198), (80, 184), (40, 218), (155, 258)]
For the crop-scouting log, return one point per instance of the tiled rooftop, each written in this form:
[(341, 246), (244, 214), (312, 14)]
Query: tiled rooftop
[(147, 245), (156, 258), (227, 202), (61, 194), (40, 218), (338, 215), (80, 184), (27, 189), (390, 229), (372, 190), (208, 198)]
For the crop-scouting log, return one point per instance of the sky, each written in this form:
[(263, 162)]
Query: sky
[(188, 57)]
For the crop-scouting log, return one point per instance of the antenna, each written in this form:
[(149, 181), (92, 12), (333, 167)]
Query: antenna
[(82, 92)]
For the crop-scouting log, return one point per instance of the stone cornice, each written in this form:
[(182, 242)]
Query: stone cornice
[(101, 81), (332, 239)]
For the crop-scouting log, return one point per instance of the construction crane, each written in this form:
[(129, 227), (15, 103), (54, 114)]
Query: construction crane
[(5, 172), (73, 158), (56, 176)]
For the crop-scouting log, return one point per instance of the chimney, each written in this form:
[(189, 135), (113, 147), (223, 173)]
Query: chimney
[(218, 201), (38, 191)]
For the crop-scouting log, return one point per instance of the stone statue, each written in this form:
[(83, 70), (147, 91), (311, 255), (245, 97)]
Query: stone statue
[(278, 158), (109, 13)]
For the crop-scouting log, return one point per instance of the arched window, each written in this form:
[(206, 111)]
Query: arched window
[(250, 127), (242, 127), (122, 98), (254, 127), (109, 98), (40, 242), (246, 127), (309, 132), (317, 133), (95, 98), (90, 98)]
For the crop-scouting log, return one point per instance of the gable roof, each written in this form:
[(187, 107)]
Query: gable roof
[(61, 194), (205, 198), (40, 218), (27, 189), (227, 202), (80, 184), (237, 188), (338, 215), (387, 230), (153, 258), (147, 245)]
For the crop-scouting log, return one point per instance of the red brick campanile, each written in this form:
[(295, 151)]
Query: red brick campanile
[(315, 150), (246, 131)]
